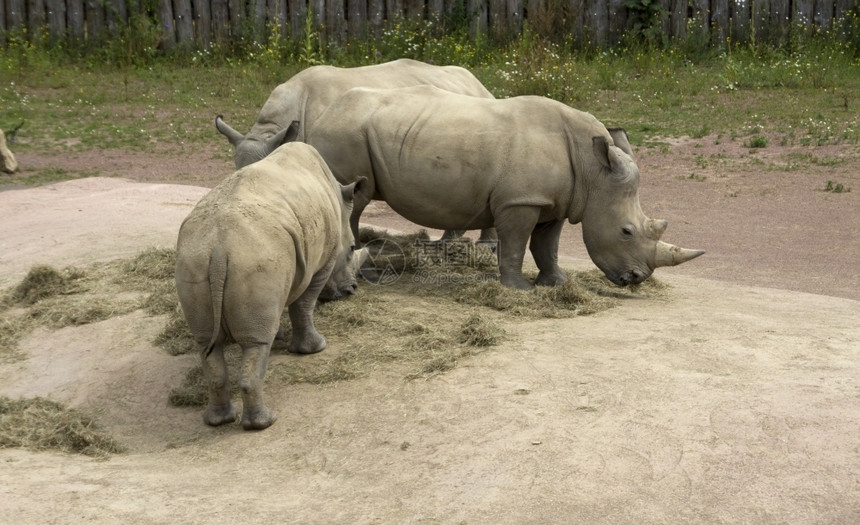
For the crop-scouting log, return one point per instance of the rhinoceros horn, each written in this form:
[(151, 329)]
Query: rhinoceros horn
[(232, 135), (671, 255)]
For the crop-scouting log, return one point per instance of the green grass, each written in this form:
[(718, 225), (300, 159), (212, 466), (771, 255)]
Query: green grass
[(806, 93)]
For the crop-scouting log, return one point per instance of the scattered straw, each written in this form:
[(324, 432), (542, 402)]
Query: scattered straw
[(41, 424)]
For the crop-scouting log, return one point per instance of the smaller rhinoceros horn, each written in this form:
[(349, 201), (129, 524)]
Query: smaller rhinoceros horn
[(232, 135), (656, 227), (671, 255)]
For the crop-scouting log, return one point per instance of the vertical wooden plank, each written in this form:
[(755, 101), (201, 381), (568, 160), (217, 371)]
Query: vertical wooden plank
[(56, 18), (514, 16), (414, 9), (16, 14), (823, 17), (202, 13), (336, 20), (596, 23), (95, 20), (617, 21), (357, 19), (801, 12), (720, 21), (375, 15), (478, 11), (237, 12), (435, 9), (741, 15), (496, 13), (666, 19), (184, 22), (576, 20), (36, 18), (394, 10), (116, 15), (678, 28), (779, 14), (75, 18), (298, 13), (220, 13), (165, 18), (702, 16), (318, 12), (843, 7), (759, 18), (279, 15)]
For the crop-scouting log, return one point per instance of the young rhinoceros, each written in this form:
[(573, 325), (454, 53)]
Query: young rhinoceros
[(523, 165), (268, 236)]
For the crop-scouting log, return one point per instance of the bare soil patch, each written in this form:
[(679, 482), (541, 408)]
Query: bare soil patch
[(732, 399)]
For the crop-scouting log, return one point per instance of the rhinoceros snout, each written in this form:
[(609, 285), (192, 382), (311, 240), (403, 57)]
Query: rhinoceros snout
[(630, 277)]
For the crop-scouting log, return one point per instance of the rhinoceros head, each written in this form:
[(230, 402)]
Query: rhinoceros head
[(343, 281), (250, 149), (621, 240)]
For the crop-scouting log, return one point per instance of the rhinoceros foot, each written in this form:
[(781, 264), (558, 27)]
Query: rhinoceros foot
[(514, 280), (308, 344), (259, 419), (219, 415), (551, 278)]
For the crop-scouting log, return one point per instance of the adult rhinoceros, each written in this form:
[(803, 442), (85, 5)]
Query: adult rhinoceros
[(306, 95), (523, 165), (268, 236)]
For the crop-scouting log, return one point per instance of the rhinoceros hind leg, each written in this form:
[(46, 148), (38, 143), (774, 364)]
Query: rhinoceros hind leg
[(306, 339), (255, 414), (220, 409), (514, 225), (544, 248)]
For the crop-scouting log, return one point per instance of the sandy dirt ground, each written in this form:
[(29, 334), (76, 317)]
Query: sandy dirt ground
[(735, 399)]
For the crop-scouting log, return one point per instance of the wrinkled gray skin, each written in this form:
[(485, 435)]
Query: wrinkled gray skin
[(269, 236), (523, 165), (306, 95)]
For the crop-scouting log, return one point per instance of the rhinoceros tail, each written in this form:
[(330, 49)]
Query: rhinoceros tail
[(217, 281)]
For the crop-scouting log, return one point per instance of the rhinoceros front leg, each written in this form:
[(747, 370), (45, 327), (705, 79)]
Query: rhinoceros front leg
[(255, 414), (514, 226), (544, 248), (359, 203), (220, 409), (306, 339)]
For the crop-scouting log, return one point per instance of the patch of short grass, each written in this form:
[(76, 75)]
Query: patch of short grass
[(43, 424)]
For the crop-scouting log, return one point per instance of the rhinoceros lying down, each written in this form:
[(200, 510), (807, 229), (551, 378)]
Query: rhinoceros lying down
[(523, 165), (268, 236)]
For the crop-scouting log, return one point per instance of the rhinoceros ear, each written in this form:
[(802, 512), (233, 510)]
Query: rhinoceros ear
[(619, 137), (287, 134), (232, 135), (350, 190), (603, 152)]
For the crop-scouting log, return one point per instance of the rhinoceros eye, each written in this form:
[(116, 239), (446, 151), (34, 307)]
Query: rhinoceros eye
[(627, 231)]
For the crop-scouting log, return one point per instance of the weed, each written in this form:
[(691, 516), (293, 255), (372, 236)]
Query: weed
[(836, 187), (694, 176), (757, 142)]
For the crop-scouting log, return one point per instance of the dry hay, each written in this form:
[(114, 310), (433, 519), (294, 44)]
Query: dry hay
[(420, 323), (83, 295), (42, 424)]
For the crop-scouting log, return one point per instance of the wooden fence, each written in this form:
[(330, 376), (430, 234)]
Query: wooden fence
[(198, 23)]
